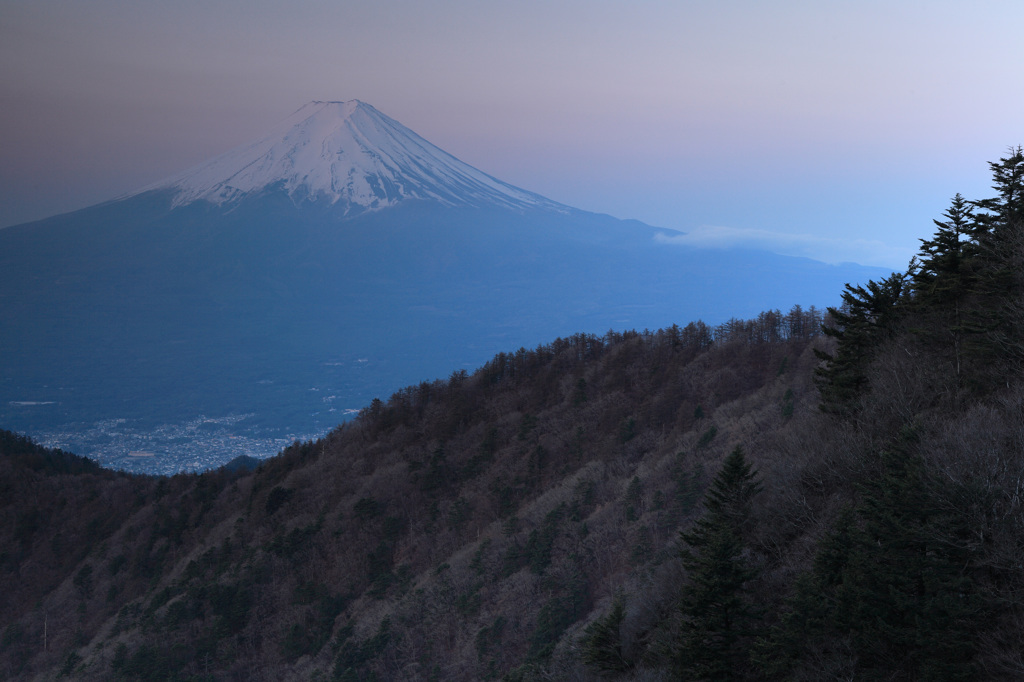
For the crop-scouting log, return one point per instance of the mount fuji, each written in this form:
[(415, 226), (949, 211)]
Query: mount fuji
[(350, 156), (336, 259)]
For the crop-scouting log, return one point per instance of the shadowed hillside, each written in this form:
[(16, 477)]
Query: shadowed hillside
[(510, 502)]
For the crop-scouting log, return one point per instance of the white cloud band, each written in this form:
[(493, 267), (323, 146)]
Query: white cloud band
[(825, 249)]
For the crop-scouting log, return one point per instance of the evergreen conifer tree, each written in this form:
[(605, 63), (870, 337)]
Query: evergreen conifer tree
[(997, 313), (942, 284), (1004, 213), (716, 612), (941, 276), (602, 642)]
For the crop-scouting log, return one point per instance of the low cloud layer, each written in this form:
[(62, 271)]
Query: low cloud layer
[(821, 248)]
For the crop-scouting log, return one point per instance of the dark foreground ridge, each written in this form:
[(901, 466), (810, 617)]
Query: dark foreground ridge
[(757, 501)]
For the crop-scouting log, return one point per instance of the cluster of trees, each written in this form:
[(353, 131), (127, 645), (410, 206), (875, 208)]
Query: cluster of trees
[(913, 575), (891, 592), (899, 585), (961, 302), (537, 369)]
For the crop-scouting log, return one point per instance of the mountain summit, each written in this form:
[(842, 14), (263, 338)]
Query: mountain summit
[(348, 154)]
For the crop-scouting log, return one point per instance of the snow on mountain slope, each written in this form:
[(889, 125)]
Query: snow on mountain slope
[(347, 153)]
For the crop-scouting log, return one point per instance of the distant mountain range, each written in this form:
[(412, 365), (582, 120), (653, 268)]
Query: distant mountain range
[(335, 260)]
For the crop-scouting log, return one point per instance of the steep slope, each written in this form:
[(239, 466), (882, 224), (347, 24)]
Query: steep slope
[(459, 507)]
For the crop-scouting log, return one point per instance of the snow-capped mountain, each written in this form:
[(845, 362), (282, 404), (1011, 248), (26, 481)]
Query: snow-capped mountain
[(348, 154)]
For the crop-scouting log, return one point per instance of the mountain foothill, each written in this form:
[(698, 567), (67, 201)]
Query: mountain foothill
[(821, 493)]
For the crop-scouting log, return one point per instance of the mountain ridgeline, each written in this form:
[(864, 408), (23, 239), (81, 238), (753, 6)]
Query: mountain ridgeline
[(755, 500), (334, 260)]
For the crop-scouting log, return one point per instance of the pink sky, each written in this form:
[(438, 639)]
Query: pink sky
[(835, 130)]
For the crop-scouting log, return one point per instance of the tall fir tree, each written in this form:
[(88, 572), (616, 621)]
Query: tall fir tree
[(1004, 212), (717, 614), (997, 311), (601, 644), (942, 285), (943, 259)]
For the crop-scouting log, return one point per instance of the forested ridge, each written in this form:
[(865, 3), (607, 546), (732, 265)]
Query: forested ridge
[(797, 497)]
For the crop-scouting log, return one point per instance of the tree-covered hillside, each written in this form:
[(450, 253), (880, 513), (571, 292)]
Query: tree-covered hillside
[(753, 501)]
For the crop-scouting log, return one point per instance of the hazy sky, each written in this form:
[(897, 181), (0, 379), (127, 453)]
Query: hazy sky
[(824, 128)]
